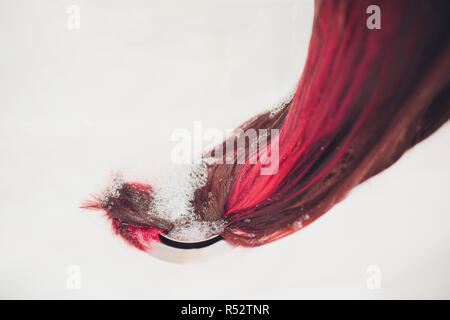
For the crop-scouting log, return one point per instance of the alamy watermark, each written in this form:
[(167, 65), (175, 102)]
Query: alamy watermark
[(249, 146), (374, 20), (73, 280), (373, 280), (73, 20)]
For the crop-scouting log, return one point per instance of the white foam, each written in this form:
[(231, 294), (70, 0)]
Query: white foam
[(196, 230), (174, 191)]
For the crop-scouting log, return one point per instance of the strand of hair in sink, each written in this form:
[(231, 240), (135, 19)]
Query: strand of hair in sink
[(365, 97)]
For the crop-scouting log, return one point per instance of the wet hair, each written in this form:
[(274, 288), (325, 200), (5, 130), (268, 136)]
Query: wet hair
[(365, 97)]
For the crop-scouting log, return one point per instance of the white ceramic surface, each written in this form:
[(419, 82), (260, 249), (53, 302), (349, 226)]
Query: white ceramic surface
[(78, 104)]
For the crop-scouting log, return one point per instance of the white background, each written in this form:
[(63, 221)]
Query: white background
[(78, 104)]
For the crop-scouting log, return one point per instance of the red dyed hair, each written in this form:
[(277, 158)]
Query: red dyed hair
[(364, 98)]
